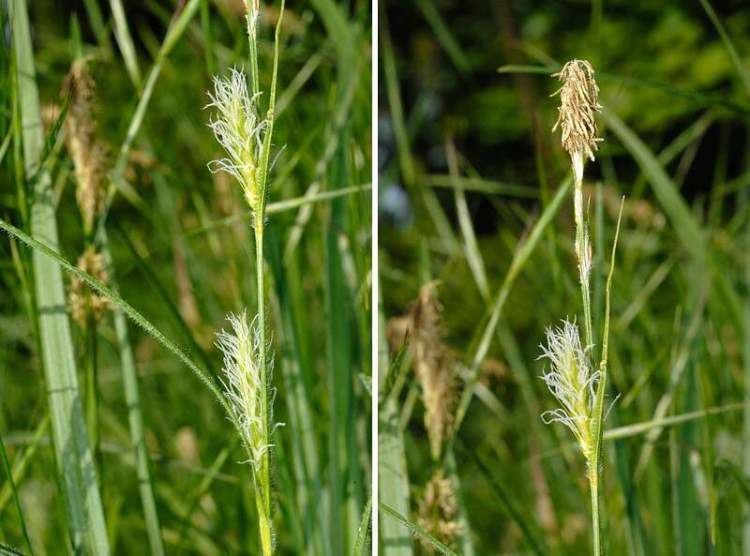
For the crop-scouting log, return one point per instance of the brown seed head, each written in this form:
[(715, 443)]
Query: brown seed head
[(437, 511), (88, 155), (434, 366), (579, 102), (84, 303)]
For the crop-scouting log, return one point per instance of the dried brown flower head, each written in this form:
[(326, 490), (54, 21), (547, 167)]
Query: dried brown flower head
[(437, 511), (86, 304), (87, 153), (434, 366), (579, 102)]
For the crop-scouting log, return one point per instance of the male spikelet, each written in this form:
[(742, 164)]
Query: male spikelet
[(434, 366), (85, 304), (579, 102), (572, 381), (87, 153), (438, 511)]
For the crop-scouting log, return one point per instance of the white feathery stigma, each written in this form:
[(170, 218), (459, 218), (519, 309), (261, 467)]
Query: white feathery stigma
[(572, 381), (238, 129), (243, 383)]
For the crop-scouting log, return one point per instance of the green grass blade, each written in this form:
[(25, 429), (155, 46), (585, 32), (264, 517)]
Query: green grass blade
[(125, 42), (627, 431), (395, 105), (135, 415), (338, 27), (741, 71), (16, 501), (736, 473), (416, 530), (96, 20), (509, 507), (491, 320), (161, 292), (295, 85), (633, 522), (444, 35), (283, 206), (393, 480), (677, 372), (481, 185), (744, 199), (24, 460), (471, 246), (340, 342), (46, 251), (85, 515), (334, 134), (689, 518), (685, 226), (203, 487), (298, 405), (174, 33), (531, 69), (363, 530), (4, 145)]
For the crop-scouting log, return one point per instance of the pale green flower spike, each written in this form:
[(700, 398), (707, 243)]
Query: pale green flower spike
[(573, 382), (239, 130), (244, 386)]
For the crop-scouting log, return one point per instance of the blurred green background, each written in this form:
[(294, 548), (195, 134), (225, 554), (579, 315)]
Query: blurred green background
[(675, 145), (183, 256)]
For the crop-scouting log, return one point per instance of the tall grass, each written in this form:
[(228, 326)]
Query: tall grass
[(73, 453), (180, 256), (483, 208)]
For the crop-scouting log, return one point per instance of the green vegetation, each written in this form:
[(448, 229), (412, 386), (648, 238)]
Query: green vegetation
[(123, 254), (475, 194)]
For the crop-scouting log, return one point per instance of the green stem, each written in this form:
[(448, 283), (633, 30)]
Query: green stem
[(92, 391), (263, 481), (252, 30), (594, 474), (594, 481), (135, 413), (262, 478), (581, 247), (601, 388)]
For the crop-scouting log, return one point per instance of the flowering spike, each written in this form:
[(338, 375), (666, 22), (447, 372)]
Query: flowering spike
[(579, 102), (239, 130), (244, 385), (571, 380)]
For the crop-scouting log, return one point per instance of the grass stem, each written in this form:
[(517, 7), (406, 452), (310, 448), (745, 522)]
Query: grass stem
[(263, 494), (594, 481), (583, 256)]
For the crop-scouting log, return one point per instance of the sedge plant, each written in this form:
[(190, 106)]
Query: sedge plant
[(572, 377), (245, 135)]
